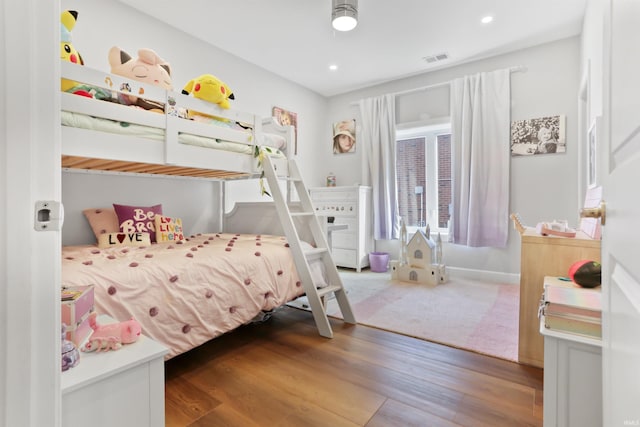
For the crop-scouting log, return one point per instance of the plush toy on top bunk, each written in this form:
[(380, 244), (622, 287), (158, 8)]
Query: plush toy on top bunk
[(69, 53), (148, 67), (211, 89)]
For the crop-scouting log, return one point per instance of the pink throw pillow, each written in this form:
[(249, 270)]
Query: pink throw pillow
[(138, 219), (102, 221)]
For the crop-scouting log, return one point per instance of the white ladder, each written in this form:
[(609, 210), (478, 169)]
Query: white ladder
[(303, 256)]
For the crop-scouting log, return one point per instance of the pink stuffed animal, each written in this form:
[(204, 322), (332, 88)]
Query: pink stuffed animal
[(148, 67), (111, 336)]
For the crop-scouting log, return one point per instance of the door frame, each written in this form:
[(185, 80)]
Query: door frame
[(30, 259)]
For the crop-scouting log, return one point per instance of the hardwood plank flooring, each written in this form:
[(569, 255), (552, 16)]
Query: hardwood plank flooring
[(282, 373)]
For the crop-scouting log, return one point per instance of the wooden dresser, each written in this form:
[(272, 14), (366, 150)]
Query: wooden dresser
[(544, 256)]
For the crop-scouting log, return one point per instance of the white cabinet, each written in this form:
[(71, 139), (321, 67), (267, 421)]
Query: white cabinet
[(572, 379), (350, 206), (116, 388)]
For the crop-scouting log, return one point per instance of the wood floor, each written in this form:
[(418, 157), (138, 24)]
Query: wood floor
[(282, 373)]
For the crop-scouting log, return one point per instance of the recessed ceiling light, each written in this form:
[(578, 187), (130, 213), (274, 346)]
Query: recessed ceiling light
[(333, 67), (487, 19)]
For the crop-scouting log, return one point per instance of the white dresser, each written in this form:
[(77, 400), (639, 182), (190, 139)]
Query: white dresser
[(350, 206), (116, 388), (572, 379)]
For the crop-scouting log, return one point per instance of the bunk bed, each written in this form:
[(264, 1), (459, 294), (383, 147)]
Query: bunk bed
[(184, 292), (102, 135)]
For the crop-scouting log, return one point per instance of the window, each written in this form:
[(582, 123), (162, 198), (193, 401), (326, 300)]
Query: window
[(423, 173)]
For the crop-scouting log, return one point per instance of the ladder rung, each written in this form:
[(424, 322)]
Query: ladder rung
[(314, 253), (328, 290), (302, 213)]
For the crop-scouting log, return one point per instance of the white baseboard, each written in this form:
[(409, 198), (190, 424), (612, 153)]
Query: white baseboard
[(490, 276)]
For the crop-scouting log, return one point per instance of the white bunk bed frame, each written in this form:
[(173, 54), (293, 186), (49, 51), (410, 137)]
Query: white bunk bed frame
[(94, 150)]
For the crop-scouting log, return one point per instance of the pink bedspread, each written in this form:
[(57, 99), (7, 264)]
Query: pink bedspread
[(187, 293)]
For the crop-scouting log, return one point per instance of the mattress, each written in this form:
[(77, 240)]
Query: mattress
[(184, 294)]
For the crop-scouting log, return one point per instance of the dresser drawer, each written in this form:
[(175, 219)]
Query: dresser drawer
[(345, 257), (344, 240), (334, 195)]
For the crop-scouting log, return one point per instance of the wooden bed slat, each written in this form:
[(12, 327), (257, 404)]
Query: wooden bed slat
[(75, 162)]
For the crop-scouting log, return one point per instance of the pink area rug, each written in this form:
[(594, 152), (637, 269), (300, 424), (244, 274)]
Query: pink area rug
[(473, 315)]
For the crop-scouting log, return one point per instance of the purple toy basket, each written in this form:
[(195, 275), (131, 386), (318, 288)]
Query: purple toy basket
[(379, 262)]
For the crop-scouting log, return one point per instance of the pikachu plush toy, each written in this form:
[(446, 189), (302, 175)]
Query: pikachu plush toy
[(68, 20)]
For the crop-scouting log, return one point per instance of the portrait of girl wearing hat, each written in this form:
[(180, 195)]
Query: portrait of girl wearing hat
[(344, 137)]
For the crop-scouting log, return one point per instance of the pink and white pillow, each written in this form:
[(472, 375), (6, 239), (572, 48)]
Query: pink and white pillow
[(102, 221), (138, 219)]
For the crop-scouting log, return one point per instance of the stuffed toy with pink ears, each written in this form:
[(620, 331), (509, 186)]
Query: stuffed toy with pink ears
[(148, 67), (111, 336)]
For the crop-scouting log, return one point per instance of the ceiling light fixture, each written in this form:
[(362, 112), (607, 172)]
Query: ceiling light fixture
[(344, 14), (487, 19)]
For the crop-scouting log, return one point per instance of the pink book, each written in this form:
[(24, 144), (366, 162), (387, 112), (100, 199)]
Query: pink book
[(560, 300)]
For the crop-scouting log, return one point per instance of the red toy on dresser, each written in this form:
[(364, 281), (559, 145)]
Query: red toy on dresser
[(111, 336)]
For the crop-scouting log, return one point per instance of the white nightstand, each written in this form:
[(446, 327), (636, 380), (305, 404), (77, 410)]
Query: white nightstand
[(572, 379), (116, 388)]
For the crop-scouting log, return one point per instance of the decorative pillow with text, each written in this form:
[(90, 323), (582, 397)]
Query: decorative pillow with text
[(110, 240), (168, 229), (138, 219)]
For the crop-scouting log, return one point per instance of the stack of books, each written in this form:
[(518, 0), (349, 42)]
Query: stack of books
[(572, 309)]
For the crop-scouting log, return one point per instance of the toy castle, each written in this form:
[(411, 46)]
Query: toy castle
[(420, 259)]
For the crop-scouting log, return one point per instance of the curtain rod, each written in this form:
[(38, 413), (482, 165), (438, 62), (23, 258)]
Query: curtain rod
[(515, 69)]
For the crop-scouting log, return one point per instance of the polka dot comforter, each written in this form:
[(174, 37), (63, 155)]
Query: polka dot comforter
[(186, 293)]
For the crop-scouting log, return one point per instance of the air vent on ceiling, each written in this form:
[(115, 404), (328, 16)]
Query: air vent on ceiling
[(436, 58)]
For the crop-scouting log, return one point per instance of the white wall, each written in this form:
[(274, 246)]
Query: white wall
[(542, 187)]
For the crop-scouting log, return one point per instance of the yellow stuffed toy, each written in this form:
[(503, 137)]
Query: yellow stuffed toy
[(67, 51), (209, 88)]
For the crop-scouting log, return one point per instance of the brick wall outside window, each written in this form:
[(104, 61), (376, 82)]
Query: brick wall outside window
[(410, 173), (444, 179)]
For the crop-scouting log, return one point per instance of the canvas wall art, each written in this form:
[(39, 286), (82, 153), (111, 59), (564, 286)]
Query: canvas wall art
[(344, 137), (285, 118), (542, 135)]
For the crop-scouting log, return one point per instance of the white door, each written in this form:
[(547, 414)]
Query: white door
[(621, 233), (29, 171)]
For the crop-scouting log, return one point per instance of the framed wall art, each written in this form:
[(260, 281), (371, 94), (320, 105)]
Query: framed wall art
[(344, 137), (285, 117), (542, 135)]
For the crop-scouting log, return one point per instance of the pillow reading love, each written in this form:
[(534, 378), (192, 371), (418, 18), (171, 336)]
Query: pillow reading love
[(109, 240), (138, 219)]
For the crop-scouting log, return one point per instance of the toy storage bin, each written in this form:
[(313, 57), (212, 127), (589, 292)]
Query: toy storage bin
[(379, 261)]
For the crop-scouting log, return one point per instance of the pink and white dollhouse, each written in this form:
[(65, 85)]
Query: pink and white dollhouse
[(421, 261)]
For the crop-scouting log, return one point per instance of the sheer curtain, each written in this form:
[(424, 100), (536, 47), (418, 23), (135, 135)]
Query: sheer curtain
[(480, 122), (378, 138)]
